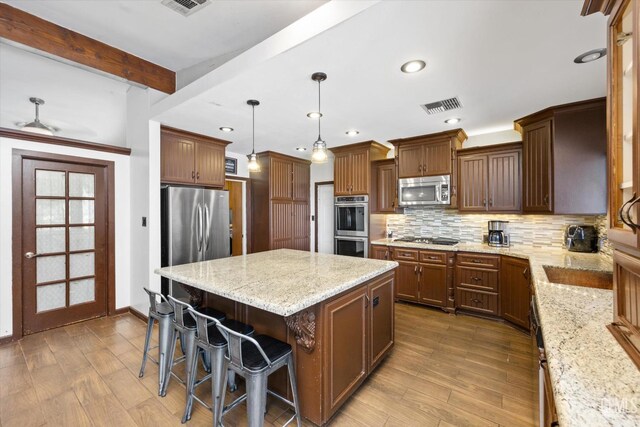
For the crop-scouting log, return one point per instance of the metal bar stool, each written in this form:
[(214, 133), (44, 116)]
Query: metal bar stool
[(162, 312), (213, 343), (254, 359)]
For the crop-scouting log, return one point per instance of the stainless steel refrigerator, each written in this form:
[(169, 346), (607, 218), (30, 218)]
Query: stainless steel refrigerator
[(195, 227)]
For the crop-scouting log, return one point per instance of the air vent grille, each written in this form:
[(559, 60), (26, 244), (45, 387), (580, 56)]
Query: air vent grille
[(186, 7), (442, 106)]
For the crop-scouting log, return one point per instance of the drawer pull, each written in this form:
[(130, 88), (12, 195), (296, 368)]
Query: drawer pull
[(433, 257), (476, 261), (477, 279), (477, 301), (406, 254)]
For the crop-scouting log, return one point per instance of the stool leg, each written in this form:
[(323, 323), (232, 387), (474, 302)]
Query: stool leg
[(231, 381), (147, 339), (256, 399), (165, 338), (294, 388), (218, 377), (169, 356), (191, 368)]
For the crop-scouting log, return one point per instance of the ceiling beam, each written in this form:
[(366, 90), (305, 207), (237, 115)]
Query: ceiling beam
[(30, 30)]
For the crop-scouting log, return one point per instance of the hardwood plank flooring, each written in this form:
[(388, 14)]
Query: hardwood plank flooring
[(445, 370)]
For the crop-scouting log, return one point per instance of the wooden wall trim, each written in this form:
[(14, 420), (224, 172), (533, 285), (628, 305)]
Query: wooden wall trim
[(248, 214), (358, 145), (549, 112), (459, 134), (494, 148), (30, 30), (67, 142), (594, 6), (166, 130)]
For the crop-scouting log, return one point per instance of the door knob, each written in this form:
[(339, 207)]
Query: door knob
[(30, 255)]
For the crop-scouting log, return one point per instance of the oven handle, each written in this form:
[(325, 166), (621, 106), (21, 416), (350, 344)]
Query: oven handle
[(352, 205), (354, 239)]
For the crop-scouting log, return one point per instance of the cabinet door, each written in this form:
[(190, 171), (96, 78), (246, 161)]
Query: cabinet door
[(472, 188), (281, 179), (346, 347), (410, 159), (504, 182), (301, 181), (537, 168), (379, 252), (626, 294), (407, 281), (177, 164), (360, 172), (341, 175), (300, 226), (210, 164), (386, 187), (437, 158), (381, 321), (433, 284), (281, 228), (479, 301), (515, 292)]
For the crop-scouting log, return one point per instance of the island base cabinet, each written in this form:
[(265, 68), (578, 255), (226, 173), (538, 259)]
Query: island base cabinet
[(381, 323)]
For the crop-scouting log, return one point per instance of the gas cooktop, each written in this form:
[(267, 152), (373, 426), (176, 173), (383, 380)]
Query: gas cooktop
[(429, 240)]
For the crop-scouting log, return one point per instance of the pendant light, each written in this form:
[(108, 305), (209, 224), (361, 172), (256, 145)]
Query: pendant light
[(254, 166), (319, 154), (36, 126)]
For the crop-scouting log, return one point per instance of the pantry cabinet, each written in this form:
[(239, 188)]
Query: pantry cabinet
[(352, 167)]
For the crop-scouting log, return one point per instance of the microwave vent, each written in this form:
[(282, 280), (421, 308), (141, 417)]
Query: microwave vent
[(442, 106), (186, 7)]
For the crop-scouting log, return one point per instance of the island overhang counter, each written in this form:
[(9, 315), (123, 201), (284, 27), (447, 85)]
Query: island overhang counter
[(337, 313)]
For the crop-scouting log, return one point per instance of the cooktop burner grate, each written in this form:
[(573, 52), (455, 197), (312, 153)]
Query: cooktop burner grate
[(429, 240)]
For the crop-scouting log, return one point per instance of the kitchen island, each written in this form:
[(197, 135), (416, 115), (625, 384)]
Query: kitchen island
[(337, 312)]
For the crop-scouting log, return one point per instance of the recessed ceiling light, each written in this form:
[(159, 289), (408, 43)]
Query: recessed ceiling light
[(452, 121), (592, 55), (314, 115), (301, 148), (352, 132), (413, 66), (226, 129)]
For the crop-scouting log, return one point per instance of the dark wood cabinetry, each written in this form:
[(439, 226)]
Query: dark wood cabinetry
[(515, 292), (384, 186), (477, 283), (352, 167), (490, 178), (280, 203), (189, 158), (564, 148), (422, 276), (380, 252)]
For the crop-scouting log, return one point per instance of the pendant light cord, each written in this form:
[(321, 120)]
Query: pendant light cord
[(253, 129), (319, 112), (37, 112)]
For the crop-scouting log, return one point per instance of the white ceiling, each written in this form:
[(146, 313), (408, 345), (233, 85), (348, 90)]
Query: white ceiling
[(502, 59)]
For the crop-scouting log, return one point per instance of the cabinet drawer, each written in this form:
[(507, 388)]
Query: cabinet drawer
[(480, 301), (433, 257), (477, 278), (405, 254), (476, 260)]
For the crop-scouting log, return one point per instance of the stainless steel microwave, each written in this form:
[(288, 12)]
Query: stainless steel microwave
[(426, 190)]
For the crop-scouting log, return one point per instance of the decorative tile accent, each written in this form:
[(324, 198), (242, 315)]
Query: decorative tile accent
[(540, 231)]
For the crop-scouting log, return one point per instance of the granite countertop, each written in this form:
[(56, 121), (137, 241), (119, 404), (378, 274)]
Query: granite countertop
[(282, 281), (594, 381)]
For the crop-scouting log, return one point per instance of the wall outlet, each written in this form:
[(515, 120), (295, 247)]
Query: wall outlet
[(144, 221)]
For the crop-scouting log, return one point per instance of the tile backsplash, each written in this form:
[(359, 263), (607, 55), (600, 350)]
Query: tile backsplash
[(536, 230)]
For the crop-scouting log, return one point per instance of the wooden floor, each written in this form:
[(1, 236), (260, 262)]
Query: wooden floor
[(445, 370)]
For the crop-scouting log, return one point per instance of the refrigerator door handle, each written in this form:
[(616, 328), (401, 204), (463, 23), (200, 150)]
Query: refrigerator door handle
[(207, 227), (199, 230)]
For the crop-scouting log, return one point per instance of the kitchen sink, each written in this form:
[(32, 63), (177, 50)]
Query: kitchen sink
[(575, 277)]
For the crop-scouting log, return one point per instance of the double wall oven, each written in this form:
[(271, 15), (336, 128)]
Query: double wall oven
[(351, 235)]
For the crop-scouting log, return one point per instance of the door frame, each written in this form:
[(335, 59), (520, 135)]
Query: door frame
[(315, 211), (17, 249), (248, 211)]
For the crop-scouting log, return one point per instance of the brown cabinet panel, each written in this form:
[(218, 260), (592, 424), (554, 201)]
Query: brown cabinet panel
[(405, 254), (480, 301), (300, 225), (281, 219), (386, 188), (210, 164), (515, 291), (477, 260), (360, 172), (342, 175), (504, 181), (429, 257), (281, 179), (177, 160), (433, 284), (472, 188), (410, 160), (407, 281), (381, 330), (301, 181), (379, 252), (477, 278), (437, 158), (537, 167), (345, 364)]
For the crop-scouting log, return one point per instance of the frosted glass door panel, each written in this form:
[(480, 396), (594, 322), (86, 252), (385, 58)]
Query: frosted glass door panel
[(81, 291), (49, 297), (81, 238), (51, 268), (50, 183), (81, 265), (81, 211), (50, 212), (50, 240), (81, 185)]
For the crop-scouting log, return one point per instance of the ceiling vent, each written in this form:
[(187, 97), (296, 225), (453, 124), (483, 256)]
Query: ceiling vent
[(442, 106), (186, 7)]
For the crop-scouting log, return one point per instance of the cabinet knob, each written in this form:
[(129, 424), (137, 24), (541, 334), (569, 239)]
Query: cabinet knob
[(193, 174), (476, 261), (477, 301), (490, 201), (420, 269), (386, 255), (545, 200), (525, 273), (484, 202), (433, 257), (197, 175), (415, 269), (476, 279)]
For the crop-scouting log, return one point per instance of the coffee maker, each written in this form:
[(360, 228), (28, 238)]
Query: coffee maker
[(581, 238), (498, 234)]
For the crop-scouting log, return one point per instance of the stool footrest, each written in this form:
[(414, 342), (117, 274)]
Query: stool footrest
[(233, 404), (282, 398)]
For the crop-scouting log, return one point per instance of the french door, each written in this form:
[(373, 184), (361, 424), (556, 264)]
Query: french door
[(64, 241)]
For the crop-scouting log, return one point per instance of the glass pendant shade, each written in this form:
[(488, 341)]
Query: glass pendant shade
[(253, 165), (319, 154)]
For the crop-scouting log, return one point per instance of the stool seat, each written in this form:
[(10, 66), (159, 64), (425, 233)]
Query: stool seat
[(190, 322), (215, 337), (164, 308), (273, 348)]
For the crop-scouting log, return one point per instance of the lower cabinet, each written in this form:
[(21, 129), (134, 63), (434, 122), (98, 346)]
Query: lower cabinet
[(424, 279), (380, 252), (478, 301), (477, 288), (515, 292), (407, 281), (432, 288)]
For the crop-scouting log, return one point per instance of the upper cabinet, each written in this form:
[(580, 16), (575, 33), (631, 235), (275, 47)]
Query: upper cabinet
[(563, 151), (383, 186), (490, 178), (189, 158), (352, 167)]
